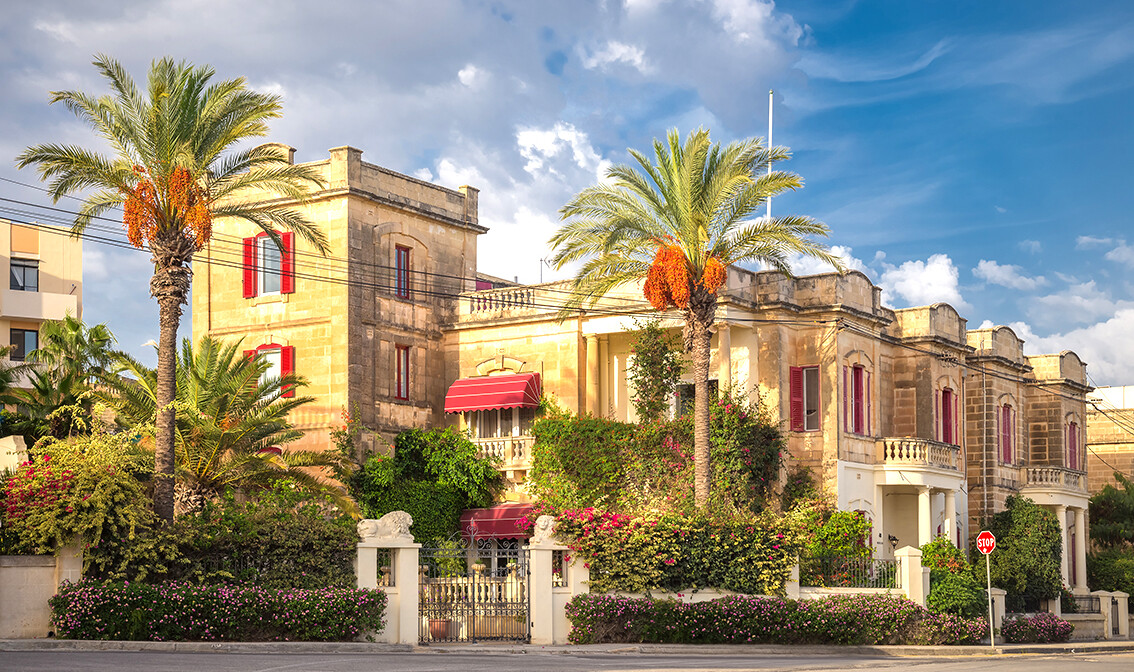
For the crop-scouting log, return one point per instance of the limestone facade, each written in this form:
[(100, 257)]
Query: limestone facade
[(1110, 436), (401, 251)]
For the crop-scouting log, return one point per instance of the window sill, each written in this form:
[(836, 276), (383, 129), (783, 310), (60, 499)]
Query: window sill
[(269, 298)]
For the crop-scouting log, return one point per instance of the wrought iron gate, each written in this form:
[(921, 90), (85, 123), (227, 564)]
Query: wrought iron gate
[(474, 592)]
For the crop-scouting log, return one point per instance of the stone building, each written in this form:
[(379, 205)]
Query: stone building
[(1110, 436), (905, 415), (362, 324)]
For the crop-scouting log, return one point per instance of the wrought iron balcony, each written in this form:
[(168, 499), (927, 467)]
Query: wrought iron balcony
[(918, 452)]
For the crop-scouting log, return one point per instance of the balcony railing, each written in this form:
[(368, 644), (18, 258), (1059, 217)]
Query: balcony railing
[(511, 452), (919, 452), (1056, 477)]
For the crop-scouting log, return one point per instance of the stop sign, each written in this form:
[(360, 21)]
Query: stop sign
[(985, 542)]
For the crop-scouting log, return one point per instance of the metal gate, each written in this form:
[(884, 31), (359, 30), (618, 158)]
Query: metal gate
[(474, 592)]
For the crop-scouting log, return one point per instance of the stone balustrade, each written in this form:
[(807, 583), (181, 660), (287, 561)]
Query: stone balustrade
[(488, 302), (918, 452), (512, 452), (1056, 477)]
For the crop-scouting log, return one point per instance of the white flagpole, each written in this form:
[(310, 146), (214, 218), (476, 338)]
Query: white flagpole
[(769, 147)]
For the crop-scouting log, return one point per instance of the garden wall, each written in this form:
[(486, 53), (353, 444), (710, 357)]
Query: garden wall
[(27, 582)]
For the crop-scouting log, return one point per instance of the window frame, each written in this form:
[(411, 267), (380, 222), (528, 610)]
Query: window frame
[(403, 266), (252, 266), (24, 350), (402, 372), (949, 432), (25, 265), (800, 411), (287, 362), (1005, 418), (1073, 459), (857, 399)]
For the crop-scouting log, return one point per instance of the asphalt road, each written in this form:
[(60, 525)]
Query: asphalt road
[(125, 661)]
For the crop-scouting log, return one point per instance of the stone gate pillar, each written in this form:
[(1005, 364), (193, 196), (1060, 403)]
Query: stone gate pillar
[(395, 573)]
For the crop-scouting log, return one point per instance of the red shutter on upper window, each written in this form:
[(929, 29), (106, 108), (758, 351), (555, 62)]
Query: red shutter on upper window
[(249, 354), (937, 415), (846, 397), (869, 411), (287, 263), (857, 381), (249, 267), (956, 419), (287, 366), (795, 384)]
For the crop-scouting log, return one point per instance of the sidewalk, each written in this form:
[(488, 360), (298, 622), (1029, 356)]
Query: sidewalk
[(1105, 646)]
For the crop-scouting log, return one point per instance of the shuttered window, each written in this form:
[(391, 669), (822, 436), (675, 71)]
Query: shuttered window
[(804, 397), (267, 269)]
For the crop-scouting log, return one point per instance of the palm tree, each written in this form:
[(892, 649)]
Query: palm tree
[(174, 169), (677, 225), (231, 423), (74, 350)]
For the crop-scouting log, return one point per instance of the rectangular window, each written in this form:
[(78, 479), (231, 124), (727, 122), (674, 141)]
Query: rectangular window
[(858, 379), (947, 422), (25, 275), (1073, 445), (402, 371), (402, 272), (280, 360), (1006, 433), (686, 395), (804, 395), (269, 270), (856, 400), (23, 342)]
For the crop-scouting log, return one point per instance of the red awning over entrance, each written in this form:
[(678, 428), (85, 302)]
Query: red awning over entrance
[(501, 521), (485, 392)]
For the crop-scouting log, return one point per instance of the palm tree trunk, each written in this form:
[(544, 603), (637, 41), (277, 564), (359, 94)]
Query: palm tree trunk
[(699, 346), (170, 286)]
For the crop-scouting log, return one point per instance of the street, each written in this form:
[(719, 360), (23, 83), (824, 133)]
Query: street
[(123, 661)]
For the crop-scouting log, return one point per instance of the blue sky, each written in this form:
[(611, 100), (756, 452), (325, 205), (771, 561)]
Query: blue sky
[(970, 152)]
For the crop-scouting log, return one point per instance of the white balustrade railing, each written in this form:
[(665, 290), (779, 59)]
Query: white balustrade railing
[(496, 300), (512, 452), (919, 452), (1055, 477)]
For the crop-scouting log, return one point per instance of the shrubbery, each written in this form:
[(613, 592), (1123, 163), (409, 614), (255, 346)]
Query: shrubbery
[(954, 588), (1029, 550), (186, 612), (1041, 628), (1111, 569), (741, 619), (637, 554)]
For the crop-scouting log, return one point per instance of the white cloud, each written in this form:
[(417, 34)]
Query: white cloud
[(538, 145), (847, 68), (472, 76), (1086, 242), (1080, 303), (1030, 246), (754, 20), (920, 283), (1006, 275), (1105, 346), (614, 53), (801, 265), (1122, 253), (999, 209)]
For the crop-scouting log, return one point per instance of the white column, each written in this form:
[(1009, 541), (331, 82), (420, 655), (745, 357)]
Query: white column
[(950, 523), (910, 574), (539, 595), (1080, 548), (924, 515), (880, 541), (407, 579), (724, 355), (604, 376), (592, 395), (1061, 516)]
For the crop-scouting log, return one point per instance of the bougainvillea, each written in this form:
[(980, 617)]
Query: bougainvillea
[(668, 281), (144, 205)]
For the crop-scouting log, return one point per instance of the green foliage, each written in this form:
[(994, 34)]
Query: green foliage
[(1111, 569), (1028, 552), (86, 488), (746, 619), (1112, 514), (1041, 628), (941, 553), (187, 612), (799, 486), (434, 475), (284, 538), (581, 462), (955, 588), (655, 369), (670, 552)]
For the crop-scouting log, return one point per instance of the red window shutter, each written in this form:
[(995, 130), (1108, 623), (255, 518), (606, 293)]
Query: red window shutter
[(956, 418), (287, 263), (249, 267), (857, 380), (869, 410), (846, 397), (937, 415), (795, 382), (287, 366), (249, 354)]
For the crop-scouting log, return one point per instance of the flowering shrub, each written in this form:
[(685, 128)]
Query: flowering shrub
[(744, 619), (636, 554), (1041, 628), (954, 584), (185, 612)]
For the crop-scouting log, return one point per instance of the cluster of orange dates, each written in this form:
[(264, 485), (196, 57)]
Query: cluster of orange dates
[(185, 198), (668, 283)]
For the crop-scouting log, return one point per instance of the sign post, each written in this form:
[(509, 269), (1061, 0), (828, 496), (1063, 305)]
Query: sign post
[(986, 543)]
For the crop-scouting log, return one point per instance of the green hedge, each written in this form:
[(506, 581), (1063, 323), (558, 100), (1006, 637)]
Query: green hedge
[(1112, 569), (744, 619), (187, 612)]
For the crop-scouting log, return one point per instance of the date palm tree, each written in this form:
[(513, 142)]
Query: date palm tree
[(175, 166), (677, 224)]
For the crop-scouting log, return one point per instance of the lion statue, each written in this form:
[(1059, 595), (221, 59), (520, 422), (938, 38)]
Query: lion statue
[(544, 530), (393, 525)]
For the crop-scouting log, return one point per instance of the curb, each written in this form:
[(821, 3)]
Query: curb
[(201, 647)]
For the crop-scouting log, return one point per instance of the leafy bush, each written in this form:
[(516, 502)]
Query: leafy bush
[(655, 368), (1112, 514), (1111, 569), (582, 462), (1028, 551), (637, 554), (87, 487), (186, 612), (743, 619), (285, 538), (434, 475), (954, 587), (1041, 628)]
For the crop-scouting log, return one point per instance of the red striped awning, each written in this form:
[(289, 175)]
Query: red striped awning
[(501, 521), (486, 392)]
